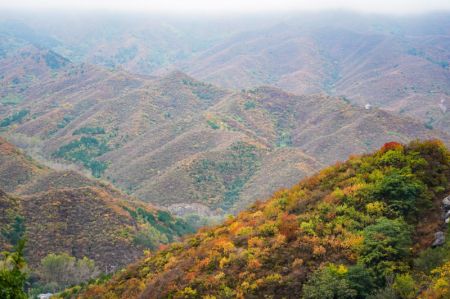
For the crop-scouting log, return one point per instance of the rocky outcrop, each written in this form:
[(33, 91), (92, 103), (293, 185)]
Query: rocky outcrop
[(439, 237), (446, 203), (446, 206)]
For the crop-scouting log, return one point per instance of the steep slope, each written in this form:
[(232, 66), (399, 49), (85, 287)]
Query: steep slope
[(24, 67), (63, 211), (214, 159), (325, 127), (15, 168), (10, 212), (344, 232)]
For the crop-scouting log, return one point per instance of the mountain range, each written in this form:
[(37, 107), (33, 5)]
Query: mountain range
[(396, 63), (123, 135), (181, 143)]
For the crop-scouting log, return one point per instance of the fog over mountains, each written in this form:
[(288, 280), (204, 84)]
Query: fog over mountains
[(124, 131), (163, 96)]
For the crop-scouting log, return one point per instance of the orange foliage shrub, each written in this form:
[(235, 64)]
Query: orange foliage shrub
[(391, 146)]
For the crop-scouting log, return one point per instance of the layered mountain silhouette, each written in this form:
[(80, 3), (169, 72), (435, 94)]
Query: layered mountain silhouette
[(181, 143), (395, 63)]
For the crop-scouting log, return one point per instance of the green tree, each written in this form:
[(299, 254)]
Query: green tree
[(386, 244), (149, 237), (15, 232), (361, 280), (12, 273), (56, 270), (329, 283), (401, 191), (84, 270), (62, 270), (405, 286)]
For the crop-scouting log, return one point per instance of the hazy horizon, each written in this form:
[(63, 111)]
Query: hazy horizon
[(396, 7)]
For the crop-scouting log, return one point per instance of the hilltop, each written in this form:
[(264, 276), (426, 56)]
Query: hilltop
[(358, 227)]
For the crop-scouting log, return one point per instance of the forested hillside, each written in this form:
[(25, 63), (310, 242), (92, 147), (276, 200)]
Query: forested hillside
[(66, 212), (180, 143), (372, 226), (185, 142)]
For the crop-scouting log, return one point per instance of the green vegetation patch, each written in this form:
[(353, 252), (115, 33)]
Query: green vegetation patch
[(229, 174), (157, 229), (415, 52), (85, 150), (59, 271), (249, 105), (12, 99), (15, 230), (429, 123), (284, 139), (14, 118), (65, 121), (89, 131), (13, 274), (12, 227), (213, 124), (54, 61), (203, 91)]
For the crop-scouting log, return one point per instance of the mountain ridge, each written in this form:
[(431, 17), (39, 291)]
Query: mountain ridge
[(299, 242), (63, 211), (175, 140)]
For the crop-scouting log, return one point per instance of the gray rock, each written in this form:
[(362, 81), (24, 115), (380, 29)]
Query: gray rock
[(446, 203), (439, 239)]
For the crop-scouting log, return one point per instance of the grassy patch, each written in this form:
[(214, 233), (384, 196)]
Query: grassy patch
[(203, 91)]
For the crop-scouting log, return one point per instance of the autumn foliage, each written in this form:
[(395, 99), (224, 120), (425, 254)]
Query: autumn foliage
[(350, 231)]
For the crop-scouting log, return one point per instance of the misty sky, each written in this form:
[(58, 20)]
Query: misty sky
[(224, 6)]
